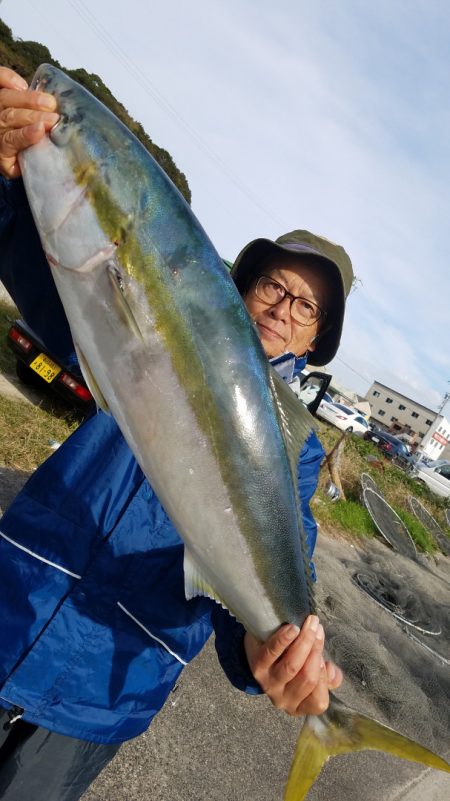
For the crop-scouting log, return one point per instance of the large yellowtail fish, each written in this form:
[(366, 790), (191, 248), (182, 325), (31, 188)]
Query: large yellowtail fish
[(166, 344)]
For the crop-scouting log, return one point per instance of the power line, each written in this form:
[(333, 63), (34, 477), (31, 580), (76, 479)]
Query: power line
[(151, 90), (369, 381)]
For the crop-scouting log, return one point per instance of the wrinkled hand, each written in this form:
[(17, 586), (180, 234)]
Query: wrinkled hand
[(291, 670), (25, 116)]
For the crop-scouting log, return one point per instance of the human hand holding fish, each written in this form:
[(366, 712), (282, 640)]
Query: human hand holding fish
[(291, 670), (25, 117)]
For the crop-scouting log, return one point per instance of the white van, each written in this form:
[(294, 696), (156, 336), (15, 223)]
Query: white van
[(436, 477)]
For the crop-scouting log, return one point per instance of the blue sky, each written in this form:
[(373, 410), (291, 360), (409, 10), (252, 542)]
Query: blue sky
[(331, 115)]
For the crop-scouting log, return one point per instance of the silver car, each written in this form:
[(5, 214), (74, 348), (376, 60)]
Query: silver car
[(436, 477)]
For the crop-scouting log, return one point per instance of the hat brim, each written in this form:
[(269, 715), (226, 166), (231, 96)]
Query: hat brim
[(247, 266)]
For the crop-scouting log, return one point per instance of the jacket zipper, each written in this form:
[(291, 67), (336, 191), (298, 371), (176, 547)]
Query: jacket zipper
[(14, 714)]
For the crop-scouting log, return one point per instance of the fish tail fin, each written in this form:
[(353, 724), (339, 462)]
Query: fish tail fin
[(341, 730)]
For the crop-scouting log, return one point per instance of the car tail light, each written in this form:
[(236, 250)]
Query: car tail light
[(19, 339), (78, 389)]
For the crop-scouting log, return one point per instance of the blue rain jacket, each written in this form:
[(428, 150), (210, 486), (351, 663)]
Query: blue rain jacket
[(95, 628)]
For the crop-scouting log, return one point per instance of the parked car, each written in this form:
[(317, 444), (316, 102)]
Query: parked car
[(425, 461), (342, 417), (39, 368), (391, 446), (436, 477)]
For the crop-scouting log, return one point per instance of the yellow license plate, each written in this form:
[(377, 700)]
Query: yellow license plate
[(45, 367)]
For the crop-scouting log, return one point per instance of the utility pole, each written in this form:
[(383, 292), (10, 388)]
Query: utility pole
[(444, 400)]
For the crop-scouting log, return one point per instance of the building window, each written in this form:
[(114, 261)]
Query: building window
[(414, 414), (376, 394), (421, 435), (388, 400), (394, 420), (381, 412), (401, 407), (428, 422)]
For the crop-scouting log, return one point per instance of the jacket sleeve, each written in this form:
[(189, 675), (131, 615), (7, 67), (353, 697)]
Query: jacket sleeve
[(26, 275), (230, 651)]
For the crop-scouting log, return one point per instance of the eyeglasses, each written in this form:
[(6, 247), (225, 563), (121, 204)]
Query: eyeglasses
[(303, 311)]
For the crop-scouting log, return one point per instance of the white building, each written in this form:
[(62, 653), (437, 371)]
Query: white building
[(436, 440), (400, 415)]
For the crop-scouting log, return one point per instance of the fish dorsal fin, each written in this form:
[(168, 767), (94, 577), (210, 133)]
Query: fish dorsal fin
[(296, 422), (89, 377), (195, 583)]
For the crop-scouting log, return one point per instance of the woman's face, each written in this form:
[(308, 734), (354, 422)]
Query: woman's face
[(277, 330)]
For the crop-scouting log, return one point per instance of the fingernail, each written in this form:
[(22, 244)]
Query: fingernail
[(19, 83), (50, 116), (45, 101), (291, 632), (320, 634), (313, 623), (36, 127)]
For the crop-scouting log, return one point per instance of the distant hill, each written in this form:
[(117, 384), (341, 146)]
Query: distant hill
[(25, 57)]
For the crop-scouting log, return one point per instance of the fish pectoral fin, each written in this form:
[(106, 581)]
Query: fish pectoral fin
[(91, 382), (195, 583), (296, 422), (341, 730), (122, 305)]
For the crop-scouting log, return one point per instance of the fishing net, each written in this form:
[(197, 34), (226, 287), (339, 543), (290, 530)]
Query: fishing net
[(388, 627), (430, 524), (388, 523), (388, 591), (367, 482)]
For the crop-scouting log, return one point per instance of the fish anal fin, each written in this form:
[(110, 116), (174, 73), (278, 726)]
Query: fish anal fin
[(91, 382), (195, 582), (341, 730)]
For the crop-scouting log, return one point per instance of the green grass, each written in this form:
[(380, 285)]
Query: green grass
[(25, 431), (350, 517), (344, 517), (422, 539)]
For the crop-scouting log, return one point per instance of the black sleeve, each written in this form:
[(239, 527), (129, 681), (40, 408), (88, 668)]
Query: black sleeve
[(26, 275)]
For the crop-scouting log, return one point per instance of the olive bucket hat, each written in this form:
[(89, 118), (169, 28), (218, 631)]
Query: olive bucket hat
[(252, 257)]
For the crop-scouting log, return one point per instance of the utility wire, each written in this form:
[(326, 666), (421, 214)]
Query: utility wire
[(86, 15), (369, 381)]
